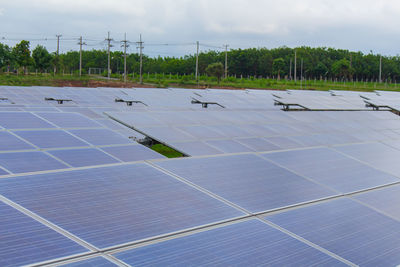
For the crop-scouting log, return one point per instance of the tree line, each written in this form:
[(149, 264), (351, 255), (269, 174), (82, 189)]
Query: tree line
[(312, 63)]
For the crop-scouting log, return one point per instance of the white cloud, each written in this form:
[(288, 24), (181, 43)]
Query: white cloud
[(354, 24)]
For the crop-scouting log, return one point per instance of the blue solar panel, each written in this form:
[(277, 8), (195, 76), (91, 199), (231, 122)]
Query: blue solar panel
[(20, 162), (69, 120), (132, 153), (25, 241), (201, 132), (114, 205), (51, 139), (195, 148), (93, 262), (3, 172), (167, 134), (229, 146), (100, 137), (284, 142), (250, 243), (22, 120), (258, 144), (378, 155), (10, 142), (348, 229), (248, 181), (332, 169), (83, 157), (386, 200)]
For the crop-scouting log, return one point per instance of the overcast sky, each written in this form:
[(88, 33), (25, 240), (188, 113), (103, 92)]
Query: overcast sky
[(360, 25)]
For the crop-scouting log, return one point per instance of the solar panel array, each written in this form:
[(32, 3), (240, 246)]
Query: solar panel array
[(270, 187), (231, 131)]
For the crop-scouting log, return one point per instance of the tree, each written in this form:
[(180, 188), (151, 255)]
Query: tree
[(22, 54), (342, 68), (278, 66), (216, 70), (41, 58), (5, 56)]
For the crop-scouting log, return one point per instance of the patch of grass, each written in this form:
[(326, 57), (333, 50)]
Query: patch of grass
[(167, 151)]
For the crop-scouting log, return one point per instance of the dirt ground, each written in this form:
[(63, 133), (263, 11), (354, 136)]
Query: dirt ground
[(95, 83), (120, 84)]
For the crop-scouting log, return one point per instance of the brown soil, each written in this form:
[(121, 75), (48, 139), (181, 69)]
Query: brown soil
[(96, 83)]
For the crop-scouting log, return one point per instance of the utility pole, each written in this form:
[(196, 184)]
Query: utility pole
[(295, 66), (80, 55), (226, 60), (197, 60), (108, 39), (140, 43), (290, 70), (58, 52), (301, 74), (125, 44), (380, 69)]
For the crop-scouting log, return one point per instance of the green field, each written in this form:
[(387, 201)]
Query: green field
[(188, 81)]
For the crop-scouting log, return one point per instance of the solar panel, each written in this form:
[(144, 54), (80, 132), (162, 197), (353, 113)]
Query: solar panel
[(248, 181), (69, 120), (195, 148), (83, 157), (229, 146), (113, 205), (167, 134), (385, 200), (348, 229), (258, 144), (25, 241), (100, 137), (378, 155), (22, 120), (10, 142), (250, 243), (19, 162), (94, 262), (332, 169), (51, 139), (132, 152)]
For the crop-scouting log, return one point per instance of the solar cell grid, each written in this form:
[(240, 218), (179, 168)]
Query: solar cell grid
[(248, 181), (20, 162), (93, 262), (51, 139), (132, 153), (10, 142), (83, 157), (332, 169), (348, 229), (250, 243), (99, 137), (69, 120), (22, 120), (25, 241), (99, 205)]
